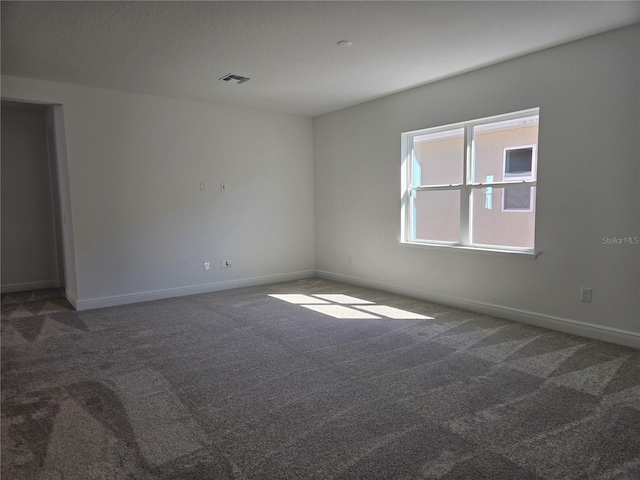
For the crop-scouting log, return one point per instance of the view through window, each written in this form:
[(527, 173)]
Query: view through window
[(472, 184)]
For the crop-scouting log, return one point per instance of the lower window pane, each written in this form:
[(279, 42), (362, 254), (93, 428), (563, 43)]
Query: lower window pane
[(436, 216), (503, 216), (517, 198)]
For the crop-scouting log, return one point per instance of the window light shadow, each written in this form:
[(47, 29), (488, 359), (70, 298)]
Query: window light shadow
[(298, 299), (394, 313), (344, 299), (348, 307), (340, 311)]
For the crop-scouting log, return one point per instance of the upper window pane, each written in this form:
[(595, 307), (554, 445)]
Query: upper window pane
[(505, 150), (518, 162), (438, 158)]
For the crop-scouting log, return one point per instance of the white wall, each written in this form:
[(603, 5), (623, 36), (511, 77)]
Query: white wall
[(141, 226), (588, 188), (29, 245)]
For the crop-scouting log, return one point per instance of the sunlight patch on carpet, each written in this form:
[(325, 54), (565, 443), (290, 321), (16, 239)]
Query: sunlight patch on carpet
[(344, 299), (298, 299), (339, 311), (394, 313), (338, 305)]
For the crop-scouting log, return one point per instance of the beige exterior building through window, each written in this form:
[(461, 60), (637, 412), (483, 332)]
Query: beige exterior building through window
[(478, 192)]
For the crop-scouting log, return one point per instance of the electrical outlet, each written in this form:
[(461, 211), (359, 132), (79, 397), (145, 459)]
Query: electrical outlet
[(585, 294), (223, 187), (207, 265), (203, 186), (225, 264)]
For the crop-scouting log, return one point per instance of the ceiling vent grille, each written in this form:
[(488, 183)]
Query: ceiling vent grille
[(235, 78)]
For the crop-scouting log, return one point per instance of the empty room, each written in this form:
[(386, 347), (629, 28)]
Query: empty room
[(320, 240)]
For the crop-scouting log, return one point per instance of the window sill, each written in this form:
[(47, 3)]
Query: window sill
[(530, 254)]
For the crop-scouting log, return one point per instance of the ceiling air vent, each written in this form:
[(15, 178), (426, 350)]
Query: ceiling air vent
[(235, 78)]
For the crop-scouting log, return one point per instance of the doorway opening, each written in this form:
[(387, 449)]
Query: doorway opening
[(36, 234)]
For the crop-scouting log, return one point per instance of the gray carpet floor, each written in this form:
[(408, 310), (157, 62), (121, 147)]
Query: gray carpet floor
[(310, 380)]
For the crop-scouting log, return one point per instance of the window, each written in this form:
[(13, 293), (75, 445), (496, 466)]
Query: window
[(518, 166), (454, 176)]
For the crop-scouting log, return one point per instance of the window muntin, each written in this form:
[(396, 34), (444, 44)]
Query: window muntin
[(454, 177)]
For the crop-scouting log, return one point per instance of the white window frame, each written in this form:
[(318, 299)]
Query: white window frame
[(466, 187), (519, 178)]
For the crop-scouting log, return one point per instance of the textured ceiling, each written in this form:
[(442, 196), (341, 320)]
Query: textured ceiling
[(288, 49)]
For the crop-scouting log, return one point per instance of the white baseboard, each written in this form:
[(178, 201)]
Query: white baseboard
[(28, 286), (115, 300), (583, 329)]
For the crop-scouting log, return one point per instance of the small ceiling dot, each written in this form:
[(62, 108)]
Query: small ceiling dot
[(344, 43)]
